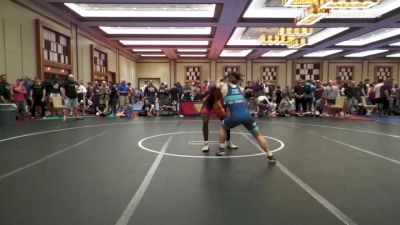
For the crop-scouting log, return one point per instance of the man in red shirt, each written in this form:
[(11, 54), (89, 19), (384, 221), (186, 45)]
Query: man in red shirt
[(19, 92)]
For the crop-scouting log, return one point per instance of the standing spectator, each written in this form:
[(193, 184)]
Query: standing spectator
[(19, 93), (162, 95), (386, 91), (258, 89), (82, 91), (351, 94), (248, 90), (113, 98), (28, 86), (397, 96), (123, 95), (146, 83), (174, 92), (131, 93), (331, 92), (365, 88), (150, 92), (278, 95), (54, 93), (378, 95), (38, 94), (104, 95), (196, 93), (310, 98), (203, 88), (5, 90), (300, 94), (70, 95), (319, 91)]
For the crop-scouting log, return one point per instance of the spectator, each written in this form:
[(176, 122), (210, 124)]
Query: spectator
[(162, 95), (144, 86), (28, 86), (104, 95), (70, 95), (397, 96), (148, 109), (310, 98), (5, 90), (196, 93), (285, 106), (248, 91), (300, 93), (322, 107), (150, 92), (82, 91), (113, 98), (350, 93), (123, 95), (131, 93), (386, 90), (331, 92), (278, 95), (378, 95), (258, 89), (187, 94), (319, 91), (38, 94), (54, 93), (19, 93)]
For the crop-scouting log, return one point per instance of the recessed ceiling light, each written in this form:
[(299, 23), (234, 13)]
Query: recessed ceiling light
[(367, 53), (235, 53), (278, 53), (371, 37), (161, 42), (323, 53), (143, 10), (192, 50), (154, 55), (191, 55), (157, 30), (146, 50), (397, 55)]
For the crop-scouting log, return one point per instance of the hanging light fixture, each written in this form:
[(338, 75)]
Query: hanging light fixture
[(275, 39), (298, 43), (299, 3), (295, 31), (311, 16), (348, 4)]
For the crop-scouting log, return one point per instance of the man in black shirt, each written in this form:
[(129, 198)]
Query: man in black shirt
[(38, 93), (5, 90), (70, 95), (113, 97), (248, 90), (386, 95), (351, 93), (300, 96)]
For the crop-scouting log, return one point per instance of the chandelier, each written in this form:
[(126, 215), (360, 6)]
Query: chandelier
[(295, 31), (289, 41), (297, 43), (332, 4), (311, 15)]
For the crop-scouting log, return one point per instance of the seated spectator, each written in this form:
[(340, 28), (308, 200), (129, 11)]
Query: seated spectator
[(322, 107), (168, 109), (286, 107), (187, 94), (102, 109), (148, 109)]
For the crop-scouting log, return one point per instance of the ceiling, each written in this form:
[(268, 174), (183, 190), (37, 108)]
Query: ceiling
[(216, 29)]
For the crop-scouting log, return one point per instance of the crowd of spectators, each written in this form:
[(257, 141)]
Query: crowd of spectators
[(101, 98)]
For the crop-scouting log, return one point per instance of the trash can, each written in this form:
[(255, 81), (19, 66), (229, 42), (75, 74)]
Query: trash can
[(8, 113)]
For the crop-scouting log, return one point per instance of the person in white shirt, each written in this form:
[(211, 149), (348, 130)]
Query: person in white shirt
[(378, 97), (82, 96)]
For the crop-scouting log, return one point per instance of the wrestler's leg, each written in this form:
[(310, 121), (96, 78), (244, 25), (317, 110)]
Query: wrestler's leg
[(206, 120)]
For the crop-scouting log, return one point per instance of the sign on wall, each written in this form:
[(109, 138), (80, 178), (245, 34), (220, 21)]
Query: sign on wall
[(269, 73), (229, 69), (383, 72), (308, 71), (345, 72), (193, 73)]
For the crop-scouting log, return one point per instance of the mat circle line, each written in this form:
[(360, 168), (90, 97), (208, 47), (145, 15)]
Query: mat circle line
[(140, 144)]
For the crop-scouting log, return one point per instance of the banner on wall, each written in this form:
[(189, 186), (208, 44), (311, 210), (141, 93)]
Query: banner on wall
[(190, 108)]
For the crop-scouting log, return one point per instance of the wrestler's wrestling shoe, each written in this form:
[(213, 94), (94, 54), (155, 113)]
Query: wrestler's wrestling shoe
[(231, 146), (221, 152), (271, 159), (206, 148)]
